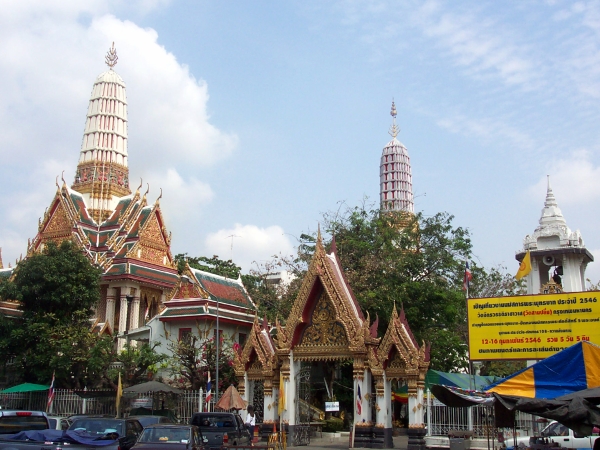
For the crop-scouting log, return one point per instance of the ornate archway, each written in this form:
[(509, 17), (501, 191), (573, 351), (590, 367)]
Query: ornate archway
[(327, 324)]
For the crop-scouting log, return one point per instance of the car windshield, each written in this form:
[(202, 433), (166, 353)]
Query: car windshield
[(16, 423), (165, 435), (207, 420), (97, 427)]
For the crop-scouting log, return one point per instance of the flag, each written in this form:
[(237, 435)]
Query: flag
[(50, 393), (208, 391), (358, 402), (119, 395), (524, 267), (281, 393), (468, 276)]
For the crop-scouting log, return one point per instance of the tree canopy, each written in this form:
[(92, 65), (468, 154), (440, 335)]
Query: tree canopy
[(60, 281)]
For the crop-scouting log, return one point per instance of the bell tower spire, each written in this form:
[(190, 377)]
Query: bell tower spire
[(102, 174), (395, 177), (558, 255)]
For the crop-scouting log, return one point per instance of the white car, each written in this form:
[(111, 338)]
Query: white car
[(565, 437)]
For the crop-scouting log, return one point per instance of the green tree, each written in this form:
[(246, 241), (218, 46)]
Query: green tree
[(59, 281), (194, 356), (136, 361), (212, 265), (57, 290)]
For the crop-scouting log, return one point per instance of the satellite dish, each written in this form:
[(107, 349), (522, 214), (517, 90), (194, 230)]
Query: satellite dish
[(549, 260)]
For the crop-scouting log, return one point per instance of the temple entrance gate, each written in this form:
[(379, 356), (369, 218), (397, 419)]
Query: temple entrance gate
[(326, 325), (303, 412)]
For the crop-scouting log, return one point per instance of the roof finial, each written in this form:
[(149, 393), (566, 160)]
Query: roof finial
[(111, 57), (394, 129)]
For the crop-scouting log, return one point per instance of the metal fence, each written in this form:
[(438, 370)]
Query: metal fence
[(479, 419), (67, 402)]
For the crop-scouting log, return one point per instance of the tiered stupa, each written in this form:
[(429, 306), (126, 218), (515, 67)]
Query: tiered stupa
[(395, 178), (558, 255), (102, 175)]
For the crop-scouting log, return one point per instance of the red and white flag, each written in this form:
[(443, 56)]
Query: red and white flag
[(358, 402), (468, 276), (208, 391), (50, 394)]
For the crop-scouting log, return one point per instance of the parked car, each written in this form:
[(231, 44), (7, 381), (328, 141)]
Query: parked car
[(215, 425), (151, 420), (125, 431), (14, 421), (558, 433), (171, 437), (86, 433)]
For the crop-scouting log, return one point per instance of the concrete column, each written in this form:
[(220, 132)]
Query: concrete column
[(385, 405), (270, 400), (111, 297), (290, 392), (420, 416), (134, 317), (123, 315), (412, 402), (122, 322), (367, 395)]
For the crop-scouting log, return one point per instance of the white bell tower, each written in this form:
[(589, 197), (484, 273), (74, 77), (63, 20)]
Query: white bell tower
[(558, 255)]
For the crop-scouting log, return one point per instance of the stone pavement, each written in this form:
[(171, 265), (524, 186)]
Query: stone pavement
[(329, 443)]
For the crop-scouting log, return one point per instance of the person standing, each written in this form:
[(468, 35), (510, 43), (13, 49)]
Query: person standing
[(251, 422)]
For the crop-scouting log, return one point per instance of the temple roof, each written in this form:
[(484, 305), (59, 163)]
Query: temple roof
[(106, 123), (102, 174), (395, 175), (552, 231), (223, 289), (131, 244)]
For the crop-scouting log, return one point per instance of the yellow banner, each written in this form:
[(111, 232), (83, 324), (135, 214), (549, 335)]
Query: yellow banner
[(531, 326)]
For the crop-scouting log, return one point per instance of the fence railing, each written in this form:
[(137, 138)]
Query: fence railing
[(67, 402), (479, 419)]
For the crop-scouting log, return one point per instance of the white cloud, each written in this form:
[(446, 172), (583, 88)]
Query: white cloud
[(250, 244), (488, 129), (592, 271), (50, 54), (182, 199), (575, 179), (477, 43)]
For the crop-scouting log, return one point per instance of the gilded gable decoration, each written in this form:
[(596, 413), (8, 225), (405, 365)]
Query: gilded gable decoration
[(323, 285), (257, 358), (398, 353)]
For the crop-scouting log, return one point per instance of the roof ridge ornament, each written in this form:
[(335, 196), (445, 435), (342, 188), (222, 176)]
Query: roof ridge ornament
[(111, 57), (394, 129)]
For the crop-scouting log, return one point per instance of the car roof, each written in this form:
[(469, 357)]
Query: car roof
[(170, 425)]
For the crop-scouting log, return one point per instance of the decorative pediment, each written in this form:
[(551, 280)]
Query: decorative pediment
[(398, 353), (324, 337), (257, 358), (153, 244), (324, 305), (188, 288)]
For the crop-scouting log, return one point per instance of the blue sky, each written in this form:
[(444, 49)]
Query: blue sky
[(256, 117)]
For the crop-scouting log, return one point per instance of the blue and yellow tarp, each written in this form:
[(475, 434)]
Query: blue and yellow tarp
[(461, 380), (570, 370)]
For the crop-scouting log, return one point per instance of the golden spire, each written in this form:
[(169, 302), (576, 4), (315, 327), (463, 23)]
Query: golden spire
[(111, 57), (394, 129), (1, 265)]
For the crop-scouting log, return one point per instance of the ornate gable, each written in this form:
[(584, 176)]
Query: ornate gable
[(258, 355), (59, 223), (154, 242), (325, 322), (187, 288), (398, 354)]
